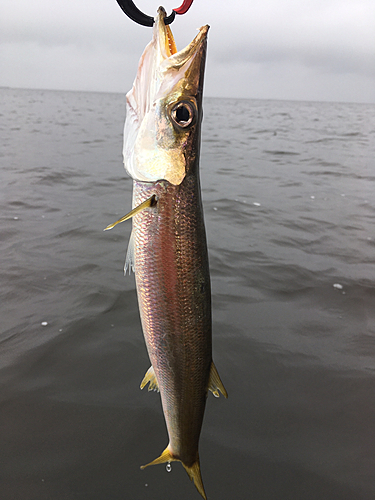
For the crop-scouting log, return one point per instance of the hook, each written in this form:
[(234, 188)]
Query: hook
[(184, 7), (139, 17)]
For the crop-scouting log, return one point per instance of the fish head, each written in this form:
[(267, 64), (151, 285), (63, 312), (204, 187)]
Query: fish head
[(164, 108)]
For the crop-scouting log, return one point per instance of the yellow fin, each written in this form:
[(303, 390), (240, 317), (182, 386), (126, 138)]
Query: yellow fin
[(194, 471), (195, 475), (166, 456), (150, 202), (150, 377), (215, 384)]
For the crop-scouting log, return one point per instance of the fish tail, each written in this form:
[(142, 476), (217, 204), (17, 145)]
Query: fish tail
[(166, 456), (194, 473)]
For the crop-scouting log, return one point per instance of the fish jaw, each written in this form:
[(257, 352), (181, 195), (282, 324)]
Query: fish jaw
[(164, 112)]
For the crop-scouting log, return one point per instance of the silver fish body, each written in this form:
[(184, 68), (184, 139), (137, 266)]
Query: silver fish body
[(168, 249)]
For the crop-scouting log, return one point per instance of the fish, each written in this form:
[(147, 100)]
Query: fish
[(168, 248)]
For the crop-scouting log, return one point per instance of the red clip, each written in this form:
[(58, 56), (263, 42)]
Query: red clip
[(186, 4)]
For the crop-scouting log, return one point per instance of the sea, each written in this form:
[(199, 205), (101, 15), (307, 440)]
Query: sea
[(289, 201)]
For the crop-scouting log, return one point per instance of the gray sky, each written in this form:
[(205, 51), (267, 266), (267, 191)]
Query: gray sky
[(272, 49)]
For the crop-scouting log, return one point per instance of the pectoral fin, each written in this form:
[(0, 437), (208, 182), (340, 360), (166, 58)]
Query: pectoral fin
[(150, 377), (215, 384), (150, 202)]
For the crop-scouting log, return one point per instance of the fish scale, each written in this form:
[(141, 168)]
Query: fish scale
[(171, 269)]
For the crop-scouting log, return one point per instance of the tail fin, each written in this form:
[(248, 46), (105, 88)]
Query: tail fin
[(166, 456), (194, 471), (195, 475)]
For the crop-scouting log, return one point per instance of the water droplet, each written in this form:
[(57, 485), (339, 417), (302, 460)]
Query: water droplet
[(168, 467)]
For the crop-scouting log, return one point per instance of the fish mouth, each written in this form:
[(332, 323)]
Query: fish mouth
[(165, 34), (167, 44)]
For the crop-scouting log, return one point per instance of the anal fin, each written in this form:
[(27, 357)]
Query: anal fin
[(150, 377), (215, 384)]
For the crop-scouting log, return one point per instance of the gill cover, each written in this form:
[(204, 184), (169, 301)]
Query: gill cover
[(163, 108)]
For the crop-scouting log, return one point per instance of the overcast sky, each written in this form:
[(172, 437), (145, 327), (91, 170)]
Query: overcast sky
[(272, 49)]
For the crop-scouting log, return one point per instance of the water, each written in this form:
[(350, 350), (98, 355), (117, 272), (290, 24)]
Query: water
[(288, 191)]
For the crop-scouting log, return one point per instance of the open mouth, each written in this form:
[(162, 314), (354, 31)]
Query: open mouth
[(168, 44), (166, 34), (169, 41)]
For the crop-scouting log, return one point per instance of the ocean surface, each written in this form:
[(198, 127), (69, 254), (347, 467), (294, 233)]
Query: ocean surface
[(289, 198)]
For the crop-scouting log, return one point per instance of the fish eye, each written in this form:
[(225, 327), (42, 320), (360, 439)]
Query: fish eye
[(183, 114)]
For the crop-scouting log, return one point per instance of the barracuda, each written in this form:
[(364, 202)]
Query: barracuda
[(167, 248)]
